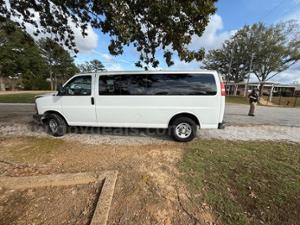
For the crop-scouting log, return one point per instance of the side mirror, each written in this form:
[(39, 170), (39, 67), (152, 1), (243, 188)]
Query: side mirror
[(61, 90)]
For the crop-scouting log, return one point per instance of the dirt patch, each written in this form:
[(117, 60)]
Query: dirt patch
[(88, 197), (265, 102), (148, 188), (48, 205)]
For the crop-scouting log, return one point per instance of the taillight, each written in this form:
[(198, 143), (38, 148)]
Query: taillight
[(223, 91)]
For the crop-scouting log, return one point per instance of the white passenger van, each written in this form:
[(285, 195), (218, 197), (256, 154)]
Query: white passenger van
[(181, 101)]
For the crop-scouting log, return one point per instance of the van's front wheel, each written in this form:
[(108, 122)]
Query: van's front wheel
[(183, 129), (56, 125)]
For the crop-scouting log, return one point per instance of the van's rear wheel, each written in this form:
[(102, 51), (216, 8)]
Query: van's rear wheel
[(183, 129), (56, 125)]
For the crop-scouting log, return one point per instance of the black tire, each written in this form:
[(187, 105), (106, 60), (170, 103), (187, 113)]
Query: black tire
[(61, 125), (185, 122)]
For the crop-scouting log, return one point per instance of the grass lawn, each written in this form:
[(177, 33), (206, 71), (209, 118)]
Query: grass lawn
[(237, 99), (245, 182), (18, 98)]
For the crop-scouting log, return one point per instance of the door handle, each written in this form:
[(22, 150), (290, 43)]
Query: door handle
[(92, 100)]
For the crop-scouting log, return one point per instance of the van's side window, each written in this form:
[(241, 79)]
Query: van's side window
[(122, 85), (81, 85), (181, 84), (158, 84)]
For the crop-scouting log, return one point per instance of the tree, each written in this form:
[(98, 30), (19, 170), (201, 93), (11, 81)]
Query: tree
[(91, 66), (19, 55), (148, 25), (273, 49), (230, 61), (59, 62)]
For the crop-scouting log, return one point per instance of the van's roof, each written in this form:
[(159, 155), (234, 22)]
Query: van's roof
[(153, 72)]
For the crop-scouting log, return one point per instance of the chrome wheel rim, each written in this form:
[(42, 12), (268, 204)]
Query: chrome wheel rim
[(183, 130), (53, 125)]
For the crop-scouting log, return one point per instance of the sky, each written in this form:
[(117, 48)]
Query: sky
[(231, 15)]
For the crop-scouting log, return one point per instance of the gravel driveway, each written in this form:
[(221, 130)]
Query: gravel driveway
[(270, 124)]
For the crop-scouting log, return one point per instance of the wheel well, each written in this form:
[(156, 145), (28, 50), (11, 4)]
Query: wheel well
[(53, 112), (189, 115)]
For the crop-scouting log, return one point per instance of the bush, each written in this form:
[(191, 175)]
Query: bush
[(36, 84)]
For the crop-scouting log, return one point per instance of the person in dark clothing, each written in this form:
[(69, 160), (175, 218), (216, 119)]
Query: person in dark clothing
[(253, 99)]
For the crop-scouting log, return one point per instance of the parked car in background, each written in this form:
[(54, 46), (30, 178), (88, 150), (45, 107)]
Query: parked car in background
[(180, 101)]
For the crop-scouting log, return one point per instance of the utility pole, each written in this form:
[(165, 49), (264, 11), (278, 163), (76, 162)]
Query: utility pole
[(229, 71), (248, 79), (230, 64)]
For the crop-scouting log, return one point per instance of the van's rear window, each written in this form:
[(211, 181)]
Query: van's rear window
[(158, 84)]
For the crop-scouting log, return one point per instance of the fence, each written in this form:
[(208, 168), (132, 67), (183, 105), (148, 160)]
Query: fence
[(283, 101)]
